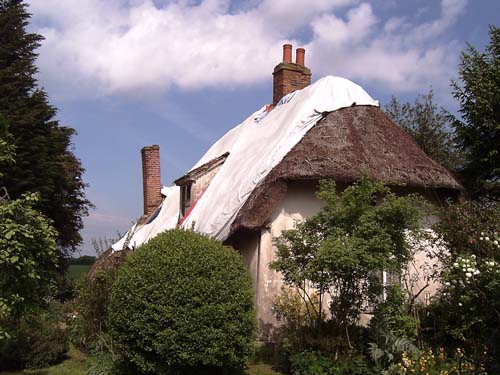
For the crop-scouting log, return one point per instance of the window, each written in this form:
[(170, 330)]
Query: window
[(388, 279), (185, 198)]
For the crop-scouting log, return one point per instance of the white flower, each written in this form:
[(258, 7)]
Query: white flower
[(455, 265), (468, 274), (447, 283), (480, 238), (495, 242), (487, 238), (476, 272), (473, 256), (460, 304), (482, 233)]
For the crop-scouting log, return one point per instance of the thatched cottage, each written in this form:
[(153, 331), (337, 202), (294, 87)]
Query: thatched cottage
[(261, 177)]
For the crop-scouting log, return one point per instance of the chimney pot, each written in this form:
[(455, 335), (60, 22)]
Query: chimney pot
[(300, 56), (151, 182), (287, 53)]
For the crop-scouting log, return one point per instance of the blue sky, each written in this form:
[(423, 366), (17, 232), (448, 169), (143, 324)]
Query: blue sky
[(131, 73)]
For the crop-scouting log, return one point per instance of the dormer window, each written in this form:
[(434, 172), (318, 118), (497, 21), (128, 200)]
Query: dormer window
[(194, 183)]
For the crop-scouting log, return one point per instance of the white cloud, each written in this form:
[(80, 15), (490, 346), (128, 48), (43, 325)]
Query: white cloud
[(104, 47), (396, 54)]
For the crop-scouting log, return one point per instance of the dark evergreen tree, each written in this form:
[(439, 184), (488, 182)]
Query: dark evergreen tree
[(44, 161), (478, 132), (428, 126), (6, 146)]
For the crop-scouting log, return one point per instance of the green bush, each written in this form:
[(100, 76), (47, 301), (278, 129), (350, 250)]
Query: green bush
[(465, 311), (428, 362), (392, 316), (101, 363), (308, 363), (183, 303), (89, 331), (315, 363), (35, 342), (28, 259)]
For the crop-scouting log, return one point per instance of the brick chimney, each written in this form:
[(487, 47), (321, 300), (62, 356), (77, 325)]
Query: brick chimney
[(289, 76), (151, 178)]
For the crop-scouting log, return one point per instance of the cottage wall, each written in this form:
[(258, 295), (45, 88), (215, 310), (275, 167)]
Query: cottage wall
[(299, 203), (258, 250)]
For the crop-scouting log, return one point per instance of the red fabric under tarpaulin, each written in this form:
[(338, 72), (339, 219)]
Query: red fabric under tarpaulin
[(191, 208)]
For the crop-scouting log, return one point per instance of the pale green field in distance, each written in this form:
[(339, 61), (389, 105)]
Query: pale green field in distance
[(76, 271)]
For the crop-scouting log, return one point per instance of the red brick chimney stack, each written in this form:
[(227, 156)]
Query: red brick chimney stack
[(289, 76), (151, 183)]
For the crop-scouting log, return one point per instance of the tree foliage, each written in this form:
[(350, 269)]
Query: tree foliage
[(28, 258), (466, 312), (181, 304), (428, 126), (340, 251), (44, 162), (478, 131), (6, 146)]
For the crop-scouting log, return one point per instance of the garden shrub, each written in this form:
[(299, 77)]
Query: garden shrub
[(183, 303), (35, 342), (100, 364), (338, 252), (301, 331), (28, 259), (465, 313), (89, 331), (392, 330), (427, 362), (308, 363), (392, 316), (315, 363)]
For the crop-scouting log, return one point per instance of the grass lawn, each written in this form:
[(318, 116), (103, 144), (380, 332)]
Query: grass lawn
[(75, 365), (261, 369), (76, 271)]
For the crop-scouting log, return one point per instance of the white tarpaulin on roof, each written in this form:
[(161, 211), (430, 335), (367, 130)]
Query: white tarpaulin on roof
[(255, 147), (166, 218)]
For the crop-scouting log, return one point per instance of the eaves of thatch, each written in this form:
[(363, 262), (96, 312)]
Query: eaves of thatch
[(343, 146)]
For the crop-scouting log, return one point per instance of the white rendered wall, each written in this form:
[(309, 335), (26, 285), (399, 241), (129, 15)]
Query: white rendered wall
[(258, 251)]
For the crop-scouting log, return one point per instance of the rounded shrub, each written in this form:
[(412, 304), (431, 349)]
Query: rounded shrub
[(183, 303), (35, 342)]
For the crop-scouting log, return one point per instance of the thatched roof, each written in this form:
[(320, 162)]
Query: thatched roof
[(343, 146), (107, 260)]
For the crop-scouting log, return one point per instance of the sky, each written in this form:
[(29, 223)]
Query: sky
[(130, 73)]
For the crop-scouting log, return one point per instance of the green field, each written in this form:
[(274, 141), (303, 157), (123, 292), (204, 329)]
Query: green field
[(76, 271)]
